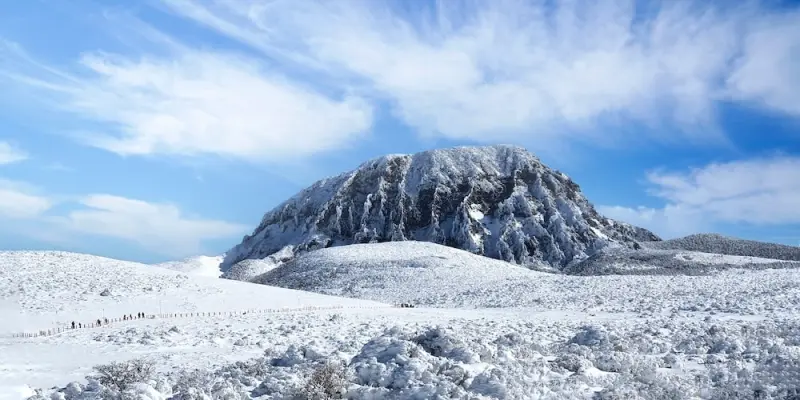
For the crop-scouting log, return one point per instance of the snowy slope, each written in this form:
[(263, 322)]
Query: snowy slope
[(497, 201), (431, 275), (39, 288), (669, 262), (198, 266), (248, 269), (724, 335), (400, 272), (43, 290), (713, 243)]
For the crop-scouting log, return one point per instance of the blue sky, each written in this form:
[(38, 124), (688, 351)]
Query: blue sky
[(160, 129)]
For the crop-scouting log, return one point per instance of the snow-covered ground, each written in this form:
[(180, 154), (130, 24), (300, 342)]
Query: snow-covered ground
[(505, 333), (199, 265), (44, 290), (436, 276)]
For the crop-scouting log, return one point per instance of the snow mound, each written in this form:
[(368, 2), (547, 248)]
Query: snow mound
[(199, 266), (400, 272), (713, 243), (430, 275), (498, 201)]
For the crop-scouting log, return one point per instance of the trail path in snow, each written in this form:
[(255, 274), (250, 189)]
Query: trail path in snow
[(223, 314)]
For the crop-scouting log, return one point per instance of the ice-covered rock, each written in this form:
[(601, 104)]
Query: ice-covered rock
[(496, 201)]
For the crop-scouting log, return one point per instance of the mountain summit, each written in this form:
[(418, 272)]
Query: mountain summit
[(496, 201)]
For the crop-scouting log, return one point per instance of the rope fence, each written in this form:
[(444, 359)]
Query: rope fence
[(133, 317)]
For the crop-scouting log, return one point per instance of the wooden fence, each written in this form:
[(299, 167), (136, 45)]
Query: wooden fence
[(92, 325)]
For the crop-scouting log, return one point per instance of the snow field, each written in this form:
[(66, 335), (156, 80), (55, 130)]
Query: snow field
[(198, 266), (46, 290), (476, 354), (436, 276), (487, 330), (219, 314)]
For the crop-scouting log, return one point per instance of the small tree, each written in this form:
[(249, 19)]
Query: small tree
[(120, 376), (328, 381)]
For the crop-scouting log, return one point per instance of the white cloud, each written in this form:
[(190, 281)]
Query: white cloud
[(767, 73), (10, 154), (511, 69), (526, 71), (20, 201), (760, 192), (157, 227), (668, 222), (198, 103)]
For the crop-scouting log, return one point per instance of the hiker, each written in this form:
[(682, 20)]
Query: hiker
[(80, 325), (99, 323), (124, 317), (106, 321), (73, 324), (130, 316)]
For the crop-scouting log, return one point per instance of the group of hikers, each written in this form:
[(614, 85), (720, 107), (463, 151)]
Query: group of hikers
[(104, 321)]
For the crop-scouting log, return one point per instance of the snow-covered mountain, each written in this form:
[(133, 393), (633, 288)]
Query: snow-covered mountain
[(497, 201)]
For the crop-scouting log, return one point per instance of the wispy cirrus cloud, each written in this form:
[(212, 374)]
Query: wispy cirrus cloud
[(489, 71), (195, 103), (532, 71), (764, 192)]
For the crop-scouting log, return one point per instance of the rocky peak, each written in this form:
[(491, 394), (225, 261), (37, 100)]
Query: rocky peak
[(497, 201)]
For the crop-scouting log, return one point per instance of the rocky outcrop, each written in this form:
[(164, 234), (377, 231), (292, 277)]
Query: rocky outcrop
[(496, 201)]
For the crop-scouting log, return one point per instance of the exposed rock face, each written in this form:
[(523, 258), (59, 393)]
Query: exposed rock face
[(497, 201)]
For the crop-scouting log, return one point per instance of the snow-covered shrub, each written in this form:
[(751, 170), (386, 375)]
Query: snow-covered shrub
[(119, 376), (571, 362), (295, 355), (594, 337), (438, 342), (190, 385), (328, 381)]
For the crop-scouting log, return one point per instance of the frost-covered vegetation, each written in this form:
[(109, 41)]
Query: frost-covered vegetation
[(648, 261), (713, 243), (482, 329), (431, 275), (659, 358)]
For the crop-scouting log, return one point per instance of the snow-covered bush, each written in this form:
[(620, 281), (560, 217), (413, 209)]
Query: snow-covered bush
[(328, 381), (657, 358), (119, 376)]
